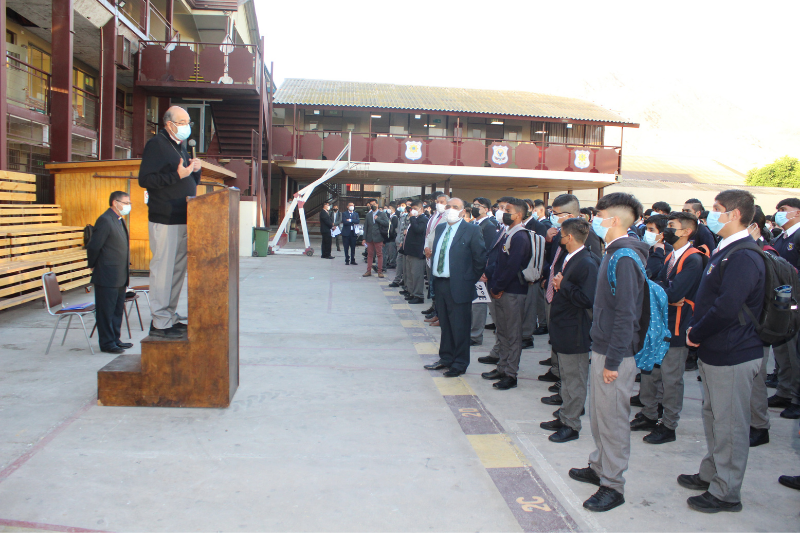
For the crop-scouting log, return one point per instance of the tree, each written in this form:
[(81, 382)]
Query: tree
[(783, 172)]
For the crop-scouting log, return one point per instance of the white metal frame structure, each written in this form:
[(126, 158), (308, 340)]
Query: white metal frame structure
[(302, 196)]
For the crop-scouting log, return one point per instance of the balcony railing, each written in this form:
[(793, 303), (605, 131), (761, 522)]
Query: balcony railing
[(84, 108), (200, 63), (27, 86), (123, 124), (449, 151)]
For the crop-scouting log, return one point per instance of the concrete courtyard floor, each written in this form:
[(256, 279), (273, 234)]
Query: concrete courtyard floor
[(335, 427)]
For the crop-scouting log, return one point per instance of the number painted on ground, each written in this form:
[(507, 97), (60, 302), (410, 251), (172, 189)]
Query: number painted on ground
[(536, 503), (469, 411)]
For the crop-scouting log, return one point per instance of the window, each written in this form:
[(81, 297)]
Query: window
[(11, 37)]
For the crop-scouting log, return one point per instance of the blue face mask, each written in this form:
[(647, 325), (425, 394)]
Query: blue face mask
[(713, 222), (554, 221), (650, 238), (781, 218), (598, 229)]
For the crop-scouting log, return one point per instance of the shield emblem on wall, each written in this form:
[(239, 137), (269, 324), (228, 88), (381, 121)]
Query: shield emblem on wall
[(582, 159), (500, 155), (413, 150)]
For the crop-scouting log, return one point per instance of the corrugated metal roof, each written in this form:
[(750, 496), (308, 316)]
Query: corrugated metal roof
[(448, 99)]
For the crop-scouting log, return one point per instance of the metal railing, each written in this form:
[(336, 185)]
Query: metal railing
[(27, 86), (84, 108), (198, 62)]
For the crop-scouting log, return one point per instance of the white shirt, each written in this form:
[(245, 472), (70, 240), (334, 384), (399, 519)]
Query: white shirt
[(566, 259), (791, 230), (435, 264), (676, 254), (732, 238), (484, 217)]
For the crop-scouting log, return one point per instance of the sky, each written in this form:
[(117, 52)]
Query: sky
[(740, 53)]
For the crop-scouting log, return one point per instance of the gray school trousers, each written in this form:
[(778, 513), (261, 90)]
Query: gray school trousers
[(553, 355), (610, 410), (415, 276), (789, 371), (479, 312), (529, 313), (726, 421), (401, 263), (167, 271), (671, 376), (508, 322), (574, 382), (759, 415)]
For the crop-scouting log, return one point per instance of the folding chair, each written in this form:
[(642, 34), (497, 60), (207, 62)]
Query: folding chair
[(52, 299), (128, 299), (142, 289)]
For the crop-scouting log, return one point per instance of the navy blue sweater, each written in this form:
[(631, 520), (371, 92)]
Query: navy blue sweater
[(787, 247), (510, 260), (715, 325), (681, 286)]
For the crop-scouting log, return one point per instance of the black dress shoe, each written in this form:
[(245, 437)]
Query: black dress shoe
[(549, 377), (488, 360), (758, 437), (603, 500), (115, 349), (793, 482), (428, 311), (708, 503), (416, 301), (454, 373), (489, 326), (565, 434), (527, 343), (557, 412), (169, 333), (556, 387), (506, 383), (347, 262), (408, 297), (125, 345), (585, 475), (772, 381), (438, 365), (393, 284), (638, 378), (555, 399), (541, 330), (792, 412), (353, 263), (636, 402), (693, 482), (546, 362), (474, 343), (778, 401), (430, 315), (643, 424), (660, 435), (493, 375), (180, 326), (405, 293), (553, 425)]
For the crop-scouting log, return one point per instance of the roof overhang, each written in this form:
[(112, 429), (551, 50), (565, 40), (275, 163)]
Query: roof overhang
[(462, 177)]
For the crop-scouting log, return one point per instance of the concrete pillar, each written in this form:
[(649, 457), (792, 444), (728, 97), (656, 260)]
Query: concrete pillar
[(139, 134), (3, 87), (61, 81), (108, 88)]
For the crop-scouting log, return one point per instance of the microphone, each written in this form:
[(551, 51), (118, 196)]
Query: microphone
[(193, 144)]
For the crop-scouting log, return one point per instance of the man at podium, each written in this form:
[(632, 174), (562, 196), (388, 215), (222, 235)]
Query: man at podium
[(170, 177)]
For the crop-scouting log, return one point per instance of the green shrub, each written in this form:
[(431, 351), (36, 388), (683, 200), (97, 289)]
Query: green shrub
[(783, 172)]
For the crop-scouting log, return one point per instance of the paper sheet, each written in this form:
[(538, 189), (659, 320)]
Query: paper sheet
[(483, 293)]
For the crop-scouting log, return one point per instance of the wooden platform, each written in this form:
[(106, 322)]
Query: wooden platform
[(201, 369)]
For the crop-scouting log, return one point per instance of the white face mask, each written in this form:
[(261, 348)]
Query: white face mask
[(183, 132), (498, 214), (440, 208), (126, 209), (452, 215), (414, 212), (350, 208)]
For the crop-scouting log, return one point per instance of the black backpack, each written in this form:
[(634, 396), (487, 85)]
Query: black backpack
[(777, 323), (88, 231)]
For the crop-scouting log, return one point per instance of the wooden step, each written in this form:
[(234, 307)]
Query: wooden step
[(120, 381)]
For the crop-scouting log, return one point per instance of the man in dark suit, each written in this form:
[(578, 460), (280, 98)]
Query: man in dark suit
[(109, 257), (414, 251), (458, 260), (325, 227), (349, 236), (570, 322), (336, 218), (483, 218)]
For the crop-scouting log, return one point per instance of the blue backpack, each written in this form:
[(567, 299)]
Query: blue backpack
[(655, 315)]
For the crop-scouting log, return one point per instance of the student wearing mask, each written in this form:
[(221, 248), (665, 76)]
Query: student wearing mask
[(703, 237), (661, 208), (615, 335), (481, 216), (530, 318), (654, 238), (349, 237), (389, 244), (336, 218), (413, 249), (402, 225), (375, 228), (679, 277), (325, 228), (730, 352), (575, 288), (436, 219), (509, 294), (787, 396)]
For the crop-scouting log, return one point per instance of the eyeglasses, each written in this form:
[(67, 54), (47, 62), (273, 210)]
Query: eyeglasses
[(123, 203), (190, 124)]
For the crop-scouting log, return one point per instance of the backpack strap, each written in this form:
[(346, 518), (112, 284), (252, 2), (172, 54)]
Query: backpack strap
[(612, 266), (678, 268)]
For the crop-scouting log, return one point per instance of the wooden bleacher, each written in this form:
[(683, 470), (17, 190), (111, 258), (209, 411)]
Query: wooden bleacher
[(33, 242)]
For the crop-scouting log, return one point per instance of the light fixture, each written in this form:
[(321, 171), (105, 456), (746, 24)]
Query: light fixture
[(569, 126), (376, 116), (316, 111), (539, 132), (417, 117), (497, 121), (432, 126)]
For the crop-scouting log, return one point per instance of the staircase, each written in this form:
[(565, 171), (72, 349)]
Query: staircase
[(234, 121)]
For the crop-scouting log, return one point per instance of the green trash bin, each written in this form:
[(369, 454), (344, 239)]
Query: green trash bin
[(261, 239)]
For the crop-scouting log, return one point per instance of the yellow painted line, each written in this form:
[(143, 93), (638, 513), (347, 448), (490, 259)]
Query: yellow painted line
[(401, 306), (497, 451), (414, 324), (453, 387), (427, 348), (384, 283)]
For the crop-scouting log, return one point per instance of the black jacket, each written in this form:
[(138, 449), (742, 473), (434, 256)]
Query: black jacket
[(593, 244), (375, 230), (489, 228), (569, 312), (702, 236), (467, 258), (325, 223), (681, 286), (511, 258), (414, 244), (158, 173), (656, 260), (108, 251)]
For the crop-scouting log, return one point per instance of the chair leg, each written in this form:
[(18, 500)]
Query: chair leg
[(147, 295), (141, 325), (94, 328), (127, 321), (87, 336), (55, 327), (67, 330)]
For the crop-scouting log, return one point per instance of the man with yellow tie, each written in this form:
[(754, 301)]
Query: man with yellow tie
[(458, 261)]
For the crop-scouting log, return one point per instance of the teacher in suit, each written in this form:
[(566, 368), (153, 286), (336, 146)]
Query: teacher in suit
[(325, 227), (458, 261), (349, 223), (108, 253)]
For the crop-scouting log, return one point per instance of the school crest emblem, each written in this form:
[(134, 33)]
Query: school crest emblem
[(790, 246), (413, 150), (710, 268), (500, 154), (582, 159)]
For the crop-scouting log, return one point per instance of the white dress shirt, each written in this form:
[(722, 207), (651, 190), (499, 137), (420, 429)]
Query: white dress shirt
[(739, 235), (446, 267)]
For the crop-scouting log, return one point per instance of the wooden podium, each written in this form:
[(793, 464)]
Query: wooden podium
[(200, 369)]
